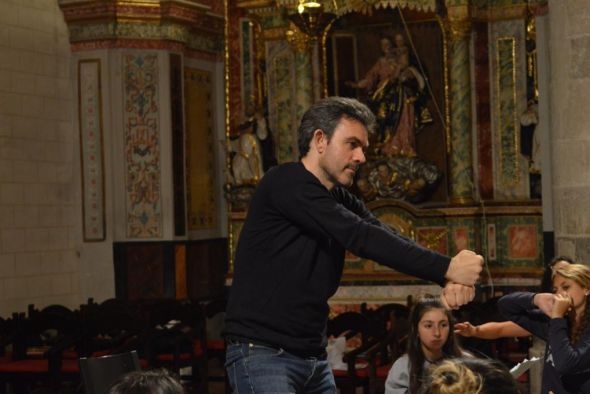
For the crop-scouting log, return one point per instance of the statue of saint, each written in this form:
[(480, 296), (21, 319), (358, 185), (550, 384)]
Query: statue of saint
[(395, 88)]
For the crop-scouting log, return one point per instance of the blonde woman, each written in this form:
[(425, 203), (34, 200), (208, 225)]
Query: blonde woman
[(563, 321)]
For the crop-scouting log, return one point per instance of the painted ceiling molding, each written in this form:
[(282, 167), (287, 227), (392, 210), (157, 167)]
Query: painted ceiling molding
[(188, 23), (341, 7)]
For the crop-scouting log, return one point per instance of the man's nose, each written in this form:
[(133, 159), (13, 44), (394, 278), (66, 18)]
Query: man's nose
[(360, 156)]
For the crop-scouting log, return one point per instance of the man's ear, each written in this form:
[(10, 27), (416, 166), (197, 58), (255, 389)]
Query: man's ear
[(320, 140)]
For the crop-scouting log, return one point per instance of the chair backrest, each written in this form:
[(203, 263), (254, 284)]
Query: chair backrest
[(99, 373)]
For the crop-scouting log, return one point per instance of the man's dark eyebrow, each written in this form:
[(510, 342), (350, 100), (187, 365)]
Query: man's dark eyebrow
[(355, 139)]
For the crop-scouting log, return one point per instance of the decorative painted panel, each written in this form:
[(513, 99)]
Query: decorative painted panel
[(508, 61), (202, 207), (247, 53), (91, 148), (142, 145), (509, 136)]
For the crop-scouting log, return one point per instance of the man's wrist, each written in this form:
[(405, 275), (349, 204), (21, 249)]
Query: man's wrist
[(533, 305)]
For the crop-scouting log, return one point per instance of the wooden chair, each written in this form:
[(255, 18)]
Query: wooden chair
[(39, 342), (176, 340), (113, 326), (383, 354), (99, 373), (352, 325)]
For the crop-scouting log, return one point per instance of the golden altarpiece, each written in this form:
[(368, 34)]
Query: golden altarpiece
[(455, 162)]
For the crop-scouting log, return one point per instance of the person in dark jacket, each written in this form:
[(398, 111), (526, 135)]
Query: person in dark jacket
[(563, 321), (290, 256)]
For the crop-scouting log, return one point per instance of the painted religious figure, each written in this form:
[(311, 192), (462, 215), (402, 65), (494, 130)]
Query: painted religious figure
[(395, 88)]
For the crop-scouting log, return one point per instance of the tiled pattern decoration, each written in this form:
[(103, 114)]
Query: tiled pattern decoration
[(142, 145)]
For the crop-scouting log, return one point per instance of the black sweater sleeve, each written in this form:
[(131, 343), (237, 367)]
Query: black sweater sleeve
[(518, 307), (313, 208), (568, 358)]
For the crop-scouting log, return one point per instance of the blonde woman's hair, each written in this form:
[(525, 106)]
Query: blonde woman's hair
[(579, 273), (452, 377)]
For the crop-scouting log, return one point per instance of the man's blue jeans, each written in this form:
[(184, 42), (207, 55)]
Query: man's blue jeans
[(254, 368)]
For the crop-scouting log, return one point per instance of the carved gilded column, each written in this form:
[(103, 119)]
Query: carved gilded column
[(304, 82), (461, 163)]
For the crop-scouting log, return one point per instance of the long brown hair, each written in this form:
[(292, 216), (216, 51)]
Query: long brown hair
[(580, 274), (415, 353)]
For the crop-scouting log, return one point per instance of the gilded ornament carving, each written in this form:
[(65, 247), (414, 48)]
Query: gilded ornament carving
[(459, 30), (301, 42)]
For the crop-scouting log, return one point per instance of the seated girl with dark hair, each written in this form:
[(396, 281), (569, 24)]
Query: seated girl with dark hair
[(430, 340)]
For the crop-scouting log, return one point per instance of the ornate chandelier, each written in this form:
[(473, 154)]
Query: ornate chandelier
[(310, 18)]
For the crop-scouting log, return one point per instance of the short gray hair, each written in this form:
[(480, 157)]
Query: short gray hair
[(327, 113)]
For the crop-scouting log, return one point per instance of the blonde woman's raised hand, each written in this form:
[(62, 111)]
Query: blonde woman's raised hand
[(561, 305)]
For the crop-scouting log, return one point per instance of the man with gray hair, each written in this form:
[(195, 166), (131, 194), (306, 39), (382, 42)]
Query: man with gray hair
[(290, 256)]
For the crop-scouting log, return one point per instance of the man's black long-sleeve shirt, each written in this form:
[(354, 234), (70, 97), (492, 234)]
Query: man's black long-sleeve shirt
[(290, 257)]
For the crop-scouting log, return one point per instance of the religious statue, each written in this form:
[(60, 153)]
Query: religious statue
[(253, 149), (395, 89), (403, 178)]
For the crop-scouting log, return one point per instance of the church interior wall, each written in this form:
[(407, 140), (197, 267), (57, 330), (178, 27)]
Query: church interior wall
[(40, 228), (46, 256)]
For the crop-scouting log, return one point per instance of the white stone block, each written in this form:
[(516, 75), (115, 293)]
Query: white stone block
[(26, 172), (32, 105), (5, 80), (39, 286), (27, 264), (47, 172), (6, 216), (60, 284), (5, 125), (49, 216), (8, 13), (11, 103), (13, 240), (37, 239), (26, 216), (65, 131), (70, 261), (50, 263), (6, 171), (21, 82), (46, 86), (26, 127), (21, 38), (12, 149), (10, 59), (7, 265), (15, 288), (11, 193), (58, 238), (70, 215)]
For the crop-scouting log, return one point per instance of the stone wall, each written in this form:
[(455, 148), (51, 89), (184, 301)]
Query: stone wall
[(569, 44), (39, 160)]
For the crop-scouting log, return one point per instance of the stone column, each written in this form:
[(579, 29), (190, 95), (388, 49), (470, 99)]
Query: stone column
[(569, 138), (461, 171)]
